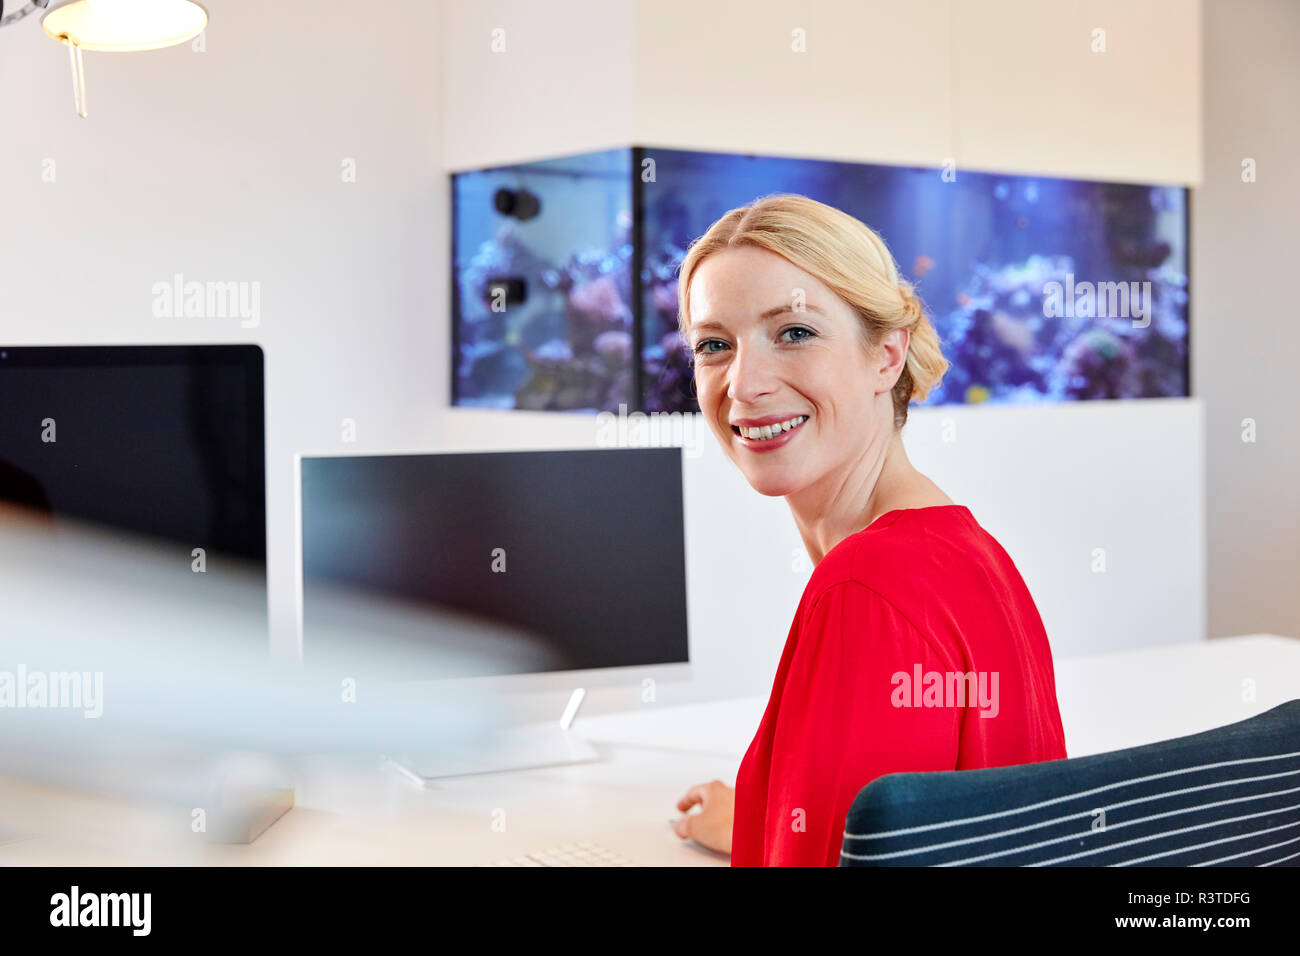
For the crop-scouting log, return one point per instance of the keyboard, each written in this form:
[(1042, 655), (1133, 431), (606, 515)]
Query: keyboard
[(571, 854)]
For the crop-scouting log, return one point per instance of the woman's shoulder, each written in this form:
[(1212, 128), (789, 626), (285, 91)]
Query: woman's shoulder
[(912, 551), (937, 569)]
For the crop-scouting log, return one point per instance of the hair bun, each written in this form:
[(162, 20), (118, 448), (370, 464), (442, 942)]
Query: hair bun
[(913, 308)]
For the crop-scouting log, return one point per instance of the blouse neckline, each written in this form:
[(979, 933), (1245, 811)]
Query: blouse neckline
[(899, 511), (891, 517)]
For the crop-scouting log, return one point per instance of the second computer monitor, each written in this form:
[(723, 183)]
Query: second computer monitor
[(495, 563)]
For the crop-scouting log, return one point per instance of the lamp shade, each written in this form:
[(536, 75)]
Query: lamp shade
[(124, 26)]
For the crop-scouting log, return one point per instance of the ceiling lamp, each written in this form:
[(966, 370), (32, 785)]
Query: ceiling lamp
[(120, 26)]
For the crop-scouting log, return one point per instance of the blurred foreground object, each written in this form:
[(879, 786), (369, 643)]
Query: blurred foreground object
[(121, 674)]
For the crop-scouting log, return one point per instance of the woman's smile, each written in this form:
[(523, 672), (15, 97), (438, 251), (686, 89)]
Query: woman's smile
[(767, 434)]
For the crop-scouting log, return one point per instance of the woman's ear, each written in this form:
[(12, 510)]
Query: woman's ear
[(891, 357)]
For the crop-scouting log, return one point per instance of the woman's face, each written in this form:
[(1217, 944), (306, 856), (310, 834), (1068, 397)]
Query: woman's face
[(760, 362)]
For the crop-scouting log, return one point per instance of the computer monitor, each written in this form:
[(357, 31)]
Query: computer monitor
[(473, 564), (160, 445)]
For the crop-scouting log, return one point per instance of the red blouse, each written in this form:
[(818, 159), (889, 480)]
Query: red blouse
[(900, 625)]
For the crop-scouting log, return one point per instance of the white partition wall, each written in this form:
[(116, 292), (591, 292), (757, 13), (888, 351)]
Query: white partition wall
[(1244, 332), (1007, 85), (1100, 504)]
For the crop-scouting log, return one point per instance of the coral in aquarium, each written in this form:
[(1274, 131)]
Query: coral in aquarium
[(489, 363), (567, 347), (1028, 332), (666, 356)]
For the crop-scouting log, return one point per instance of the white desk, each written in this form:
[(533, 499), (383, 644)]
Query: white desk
[(369, 816), (1107, 701)]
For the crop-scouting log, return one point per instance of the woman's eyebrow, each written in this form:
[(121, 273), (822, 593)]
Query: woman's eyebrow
[(763, 316), (783, 309)]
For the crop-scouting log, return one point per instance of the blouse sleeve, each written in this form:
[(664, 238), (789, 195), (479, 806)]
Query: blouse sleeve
[(849, 713)]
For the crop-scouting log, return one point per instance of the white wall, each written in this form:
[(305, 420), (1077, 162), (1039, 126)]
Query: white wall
[(562, 82), (1245, 332), (1010, 85)]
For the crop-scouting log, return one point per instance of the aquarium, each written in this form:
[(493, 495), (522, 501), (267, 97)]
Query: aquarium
[(1041, 289), (543, 307)]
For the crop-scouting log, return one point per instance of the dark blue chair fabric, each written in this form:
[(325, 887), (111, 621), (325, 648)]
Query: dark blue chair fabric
[(1226, 797)]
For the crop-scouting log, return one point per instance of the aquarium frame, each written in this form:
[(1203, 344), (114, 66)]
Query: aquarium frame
[(455, 296), (636, 290)]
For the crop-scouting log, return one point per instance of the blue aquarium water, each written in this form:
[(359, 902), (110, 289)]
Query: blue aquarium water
[(563, 338), (1041, 289)]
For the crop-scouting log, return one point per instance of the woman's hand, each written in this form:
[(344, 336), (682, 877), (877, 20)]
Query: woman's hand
[(712, 825)]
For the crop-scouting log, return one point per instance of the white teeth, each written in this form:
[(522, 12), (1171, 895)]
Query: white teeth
[(765, 432)]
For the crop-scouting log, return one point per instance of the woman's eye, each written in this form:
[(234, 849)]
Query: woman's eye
[(701, 348), (807, 333)]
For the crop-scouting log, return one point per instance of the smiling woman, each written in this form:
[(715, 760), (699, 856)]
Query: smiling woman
[(808, 350), (805, 339)]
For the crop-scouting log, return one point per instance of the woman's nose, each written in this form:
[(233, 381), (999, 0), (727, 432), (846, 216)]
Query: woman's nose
[(751, 376)]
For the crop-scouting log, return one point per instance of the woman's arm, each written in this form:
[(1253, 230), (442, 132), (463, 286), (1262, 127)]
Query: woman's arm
[(850, 711)]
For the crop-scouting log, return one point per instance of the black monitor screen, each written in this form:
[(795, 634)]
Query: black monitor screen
[(497, 563), (165, 443)]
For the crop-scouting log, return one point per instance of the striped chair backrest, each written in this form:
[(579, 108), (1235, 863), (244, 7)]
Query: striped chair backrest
[(1226, 797)]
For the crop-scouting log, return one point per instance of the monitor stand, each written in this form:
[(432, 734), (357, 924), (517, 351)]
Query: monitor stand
[(549, 744)]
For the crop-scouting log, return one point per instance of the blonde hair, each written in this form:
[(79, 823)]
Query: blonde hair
[(847, 257)]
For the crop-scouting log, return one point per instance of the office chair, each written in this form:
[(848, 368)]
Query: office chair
[(1226, 797)]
